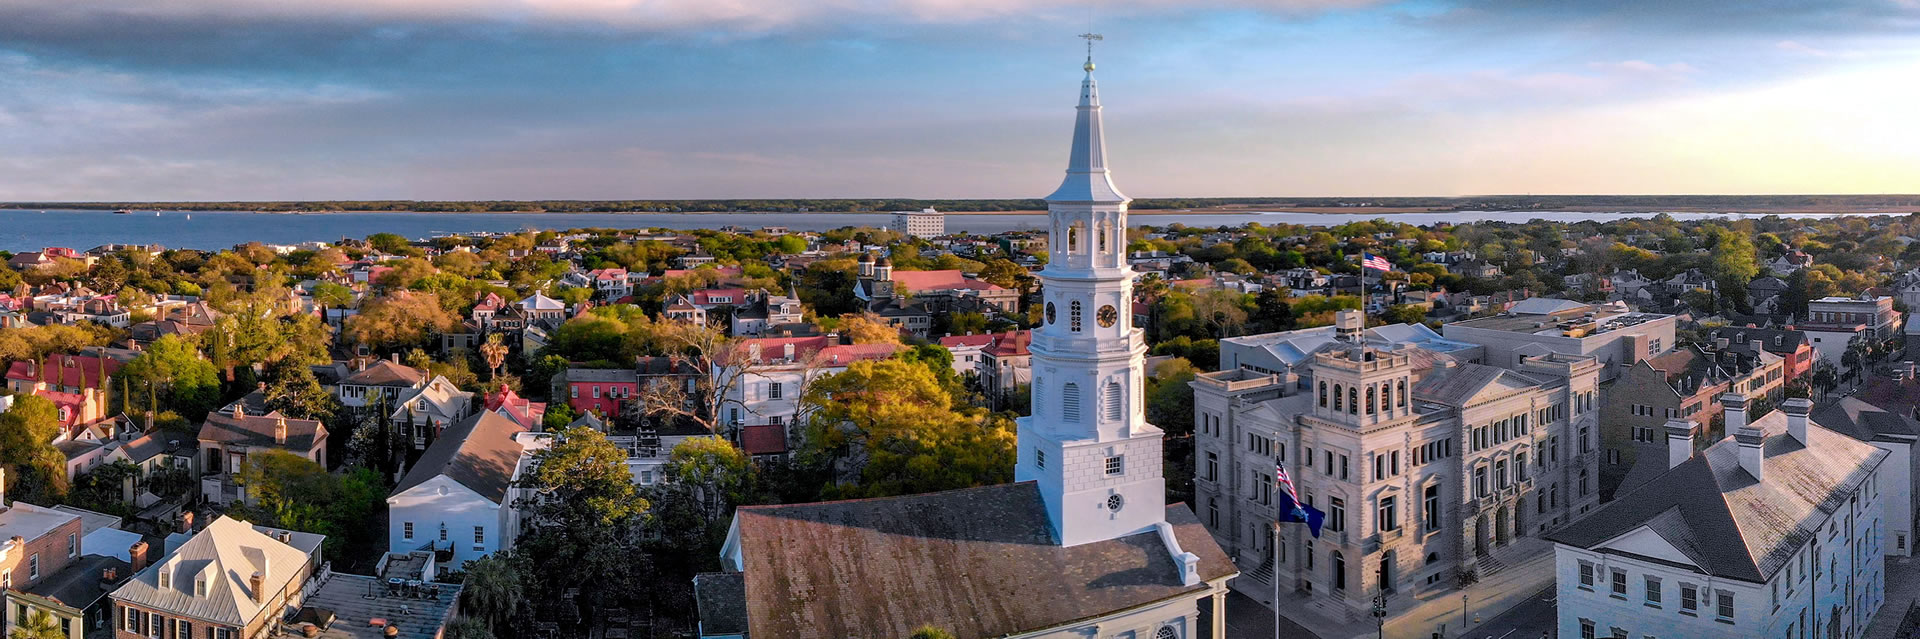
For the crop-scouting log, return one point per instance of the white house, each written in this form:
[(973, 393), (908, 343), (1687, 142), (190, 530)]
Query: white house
[(458, 497), (1772, 532), (1888, 431), (761, 403)]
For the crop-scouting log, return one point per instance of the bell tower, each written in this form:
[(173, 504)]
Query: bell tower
[(1087, 444)]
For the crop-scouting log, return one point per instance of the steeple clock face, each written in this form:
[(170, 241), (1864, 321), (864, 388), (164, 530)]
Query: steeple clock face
[(1107, 316)]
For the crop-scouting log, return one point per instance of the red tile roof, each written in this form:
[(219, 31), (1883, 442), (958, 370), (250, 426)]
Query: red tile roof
[(80, 371), (734, 295), (939, 281), (1011, 344), (951, 341)]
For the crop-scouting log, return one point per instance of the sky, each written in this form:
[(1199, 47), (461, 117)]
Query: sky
[(131, 100)]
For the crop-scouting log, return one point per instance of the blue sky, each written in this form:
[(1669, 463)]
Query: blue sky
[(587, 99)]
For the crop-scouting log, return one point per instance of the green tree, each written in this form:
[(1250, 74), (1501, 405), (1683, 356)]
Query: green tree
[(295, 392), (493, 588), (1404, 314), (930, 632), (896, 430), (468, 628), (37, 469), (402, 319), (171, 375), (716, 471)]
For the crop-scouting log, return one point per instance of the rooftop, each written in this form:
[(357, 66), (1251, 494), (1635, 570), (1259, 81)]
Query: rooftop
[(80, 583), (1577, 322), (861, 568), (225, 555), (360, 607), (31, 522), (1723, 521)]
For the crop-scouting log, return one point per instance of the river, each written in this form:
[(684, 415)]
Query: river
[(28, 229)]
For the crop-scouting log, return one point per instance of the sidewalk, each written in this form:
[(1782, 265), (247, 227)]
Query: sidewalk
[(1529, 569)]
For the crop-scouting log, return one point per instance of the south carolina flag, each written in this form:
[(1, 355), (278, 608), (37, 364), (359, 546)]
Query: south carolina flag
[(1291, 510)]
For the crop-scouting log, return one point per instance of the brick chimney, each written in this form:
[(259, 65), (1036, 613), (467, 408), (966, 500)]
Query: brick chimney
[(1679, 441), (1796, 410), (186, 521), (280, 431), (257, 584), (239, 410), (137, 555)]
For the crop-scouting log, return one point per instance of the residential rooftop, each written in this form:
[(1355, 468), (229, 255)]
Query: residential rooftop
[(360, 607)]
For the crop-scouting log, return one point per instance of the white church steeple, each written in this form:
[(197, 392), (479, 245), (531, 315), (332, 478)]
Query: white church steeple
[(1088, 445)]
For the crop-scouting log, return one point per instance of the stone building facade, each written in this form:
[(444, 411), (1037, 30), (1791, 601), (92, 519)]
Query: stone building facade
[(1425, 466)]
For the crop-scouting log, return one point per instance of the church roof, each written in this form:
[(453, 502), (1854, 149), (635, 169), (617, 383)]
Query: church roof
[(1087, 178), (977, 562)]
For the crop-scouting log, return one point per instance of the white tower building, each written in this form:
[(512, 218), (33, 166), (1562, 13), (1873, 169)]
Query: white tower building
[(1087, 444)]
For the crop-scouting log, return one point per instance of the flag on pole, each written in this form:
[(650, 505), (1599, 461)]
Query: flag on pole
[(1291, 510), (1369, 260)]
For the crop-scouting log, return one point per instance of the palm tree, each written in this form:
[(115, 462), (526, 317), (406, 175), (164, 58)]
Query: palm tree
[(495, 352), (493, 588), (39, 625)]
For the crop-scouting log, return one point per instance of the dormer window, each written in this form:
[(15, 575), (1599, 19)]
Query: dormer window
[(166, 578), (200, 587)]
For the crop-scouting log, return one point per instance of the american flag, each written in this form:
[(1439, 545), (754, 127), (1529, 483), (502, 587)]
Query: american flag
[(1286, 483), (1369, 260)]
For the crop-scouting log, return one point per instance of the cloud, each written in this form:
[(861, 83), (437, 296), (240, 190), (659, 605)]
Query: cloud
[(639, 15)]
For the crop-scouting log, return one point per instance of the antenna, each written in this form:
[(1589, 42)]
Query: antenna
[(1090, 38)]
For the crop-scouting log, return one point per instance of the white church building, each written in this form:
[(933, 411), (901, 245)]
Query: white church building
[(1083, 544)]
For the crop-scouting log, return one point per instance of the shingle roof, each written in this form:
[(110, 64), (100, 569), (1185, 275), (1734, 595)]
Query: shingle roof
[(386, 373), (259, 430), (478, 452), (1863, 421), (721, 598), (978, 562), (1715, 502), (229, 551)]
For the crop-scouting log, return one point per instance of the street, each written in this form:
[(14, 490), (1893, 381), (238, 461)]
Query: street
[(1248, 619), (1529, 619)]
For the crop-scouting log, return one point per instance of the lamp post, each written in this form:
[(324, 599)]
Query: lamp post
[(1380, 615), (1463, 614)]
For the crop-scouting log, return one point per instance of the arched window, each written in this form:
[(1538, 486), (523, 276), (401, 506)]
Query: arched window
[(1370, 399), (1073, 316), (1403, 392), (1338, 403), (1073, 238), (1070, 402), (1114, 403), (1353, 400), (1323, 394)]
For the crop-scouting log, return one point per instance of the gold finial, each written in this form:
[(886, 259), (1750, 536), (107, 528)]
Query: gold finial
[(1090, 38)]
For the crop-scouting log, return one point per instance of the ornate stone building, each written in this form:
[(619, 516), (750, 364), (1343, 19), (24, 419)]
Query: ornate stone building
[(1425, 466)]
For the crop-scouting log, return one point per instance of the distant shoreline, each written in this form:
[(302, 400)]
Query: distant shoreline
[(1249, 210)]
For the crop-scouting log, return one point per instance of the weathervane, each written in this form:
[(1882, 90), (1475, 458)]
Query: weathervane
[(1090, 38)]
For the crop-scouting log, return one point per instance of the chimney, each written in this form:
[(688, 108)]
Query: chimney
[(787, 350), (239, 410), (1734, 406), (280, 431), (753, 350), (137, 554), (109, 574), (1679, 441), (394, 357), (257, 584), (1796, 410), (186, 521), (1752, 450)]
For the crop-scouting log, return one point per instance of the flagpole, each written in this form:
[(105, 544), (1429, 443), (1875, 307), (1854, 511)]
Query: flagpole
[(1276, 577)]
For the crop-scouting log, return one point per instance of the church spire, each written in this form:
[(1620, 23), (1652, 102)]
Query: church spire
[(1087, 178)]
